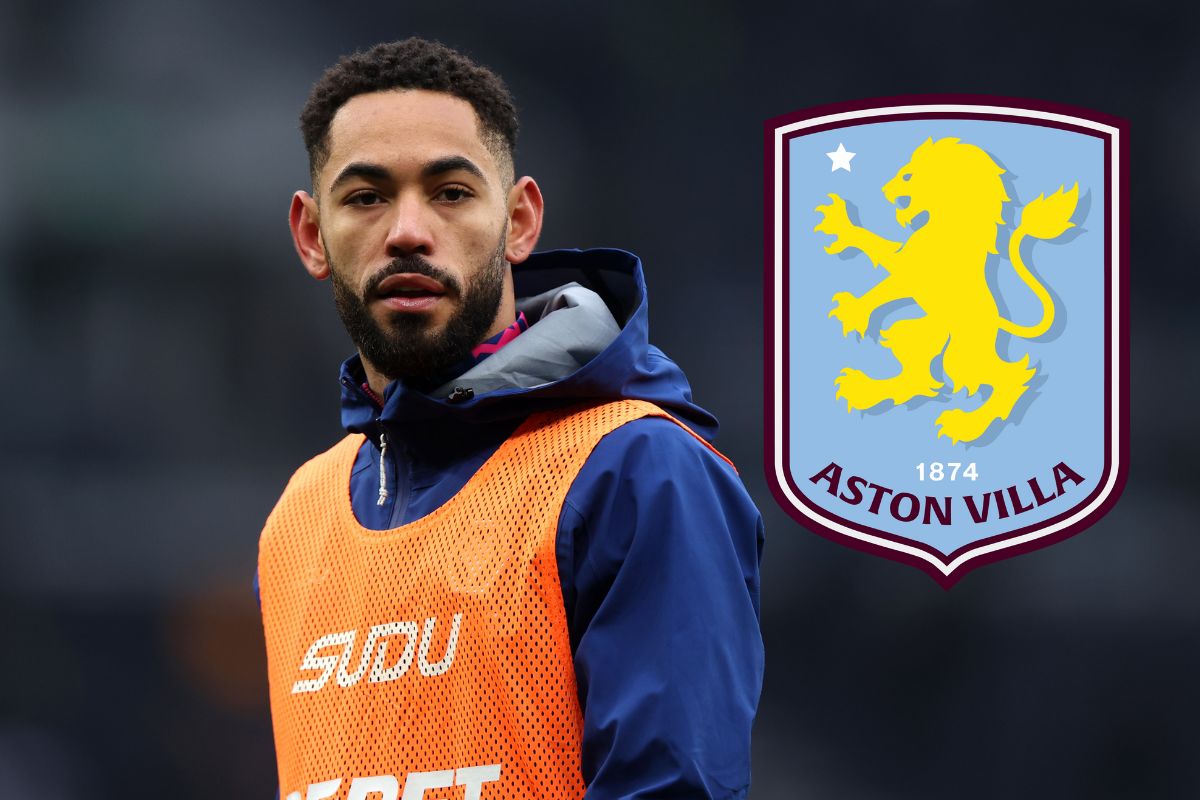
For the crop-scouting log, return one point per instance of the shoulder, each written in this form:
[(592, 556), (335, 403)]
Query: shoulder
[(311, 487), (314, 472), (651, 477), (655, 450)]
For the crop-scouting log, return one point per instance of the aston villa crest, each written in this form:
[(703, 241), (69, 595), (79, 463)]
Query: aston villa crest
[(947, 325)]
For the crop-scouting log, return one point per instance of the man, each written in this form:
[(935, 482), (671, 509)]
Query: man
[(520, 574)]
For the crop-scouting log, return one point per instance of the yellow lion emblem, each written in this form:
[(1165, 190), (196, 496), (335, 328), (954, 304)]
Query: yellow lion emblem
[(941, 267)]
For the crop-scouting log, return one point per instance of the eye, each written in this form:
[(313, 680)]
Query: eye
[(906, 176), (364, 198), (453, 194)]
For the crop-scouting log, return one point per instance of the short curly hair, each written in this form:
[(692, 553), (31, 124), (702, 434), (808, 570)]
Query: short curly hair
[(413, 63)]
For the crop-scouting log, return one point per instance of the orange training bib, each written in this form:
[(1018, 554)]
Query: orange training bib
[(431, 661)]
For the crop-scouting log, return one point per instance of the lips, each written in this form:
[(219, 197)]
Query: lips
[(409, 292)]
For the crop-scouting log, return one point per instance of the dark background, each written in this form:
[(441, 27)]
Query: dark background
[(167, 364)]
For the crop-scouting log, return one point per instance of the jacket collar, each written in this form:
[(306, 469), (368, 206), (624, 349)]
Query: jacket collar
[(619, 364)]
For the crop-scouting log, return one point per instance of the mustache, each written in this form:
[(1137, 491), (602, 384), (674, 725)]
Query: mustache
[(414, 265)]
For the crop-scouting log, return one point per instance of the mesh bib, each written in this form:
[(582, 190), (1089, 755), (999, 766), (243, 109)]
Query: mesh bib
[(429, 661)]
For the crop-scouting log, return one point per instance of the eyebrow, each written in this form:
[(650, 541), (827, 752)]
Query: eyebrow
[(452, 164), (360, 169), (440, 166)]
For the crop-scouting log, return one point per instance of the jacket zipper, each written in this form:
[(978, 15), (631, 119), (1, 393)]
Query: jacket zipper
[(383, 446)]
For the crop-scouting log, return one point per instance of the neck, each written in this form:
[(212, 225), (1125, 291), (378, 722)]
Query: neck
[(375, 379)]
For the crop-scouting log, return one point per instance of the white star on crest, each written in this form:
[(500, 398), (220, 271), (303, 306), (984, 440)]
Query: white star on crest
[(841, 158)]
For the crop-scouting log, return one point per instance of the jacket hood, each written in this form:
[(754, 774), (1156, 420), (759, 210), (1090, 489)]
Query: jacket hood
[(587, 342)]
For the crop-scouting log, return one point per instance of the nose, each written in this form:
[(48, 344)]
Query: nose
[(892, 190), (410, 231)]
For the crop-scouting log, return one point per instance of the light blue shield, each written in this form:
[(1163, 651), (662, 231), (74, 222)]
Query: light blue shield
[(878, 476)]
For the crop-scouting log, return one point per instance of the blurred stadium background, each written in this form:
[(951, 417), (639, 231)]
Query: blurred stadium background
[(167, 364)]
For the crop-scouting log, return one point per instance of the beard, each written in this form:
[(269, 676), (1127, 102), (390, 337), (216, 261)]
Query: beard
[(407, 346)]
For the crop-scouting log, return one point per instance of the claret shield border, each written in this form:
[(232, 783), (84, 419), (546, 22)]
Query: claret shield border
[(946, 569)]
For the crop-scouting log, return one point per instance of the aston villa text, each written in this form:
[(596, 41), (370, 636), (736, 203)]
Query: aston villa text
[(1003, 503)]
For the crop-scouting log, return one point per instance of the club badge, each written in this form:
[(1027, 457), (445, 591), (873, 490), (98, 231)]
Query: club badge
[(947, 324)]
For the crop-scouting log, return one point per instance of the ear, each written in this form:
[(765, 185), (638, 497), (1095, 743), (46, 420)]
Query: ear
[(524, 220), (304, 220)]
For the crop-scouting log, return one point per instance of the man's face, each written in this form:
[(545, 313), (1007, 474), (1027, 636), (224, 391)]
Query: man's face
[(413, 222)]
